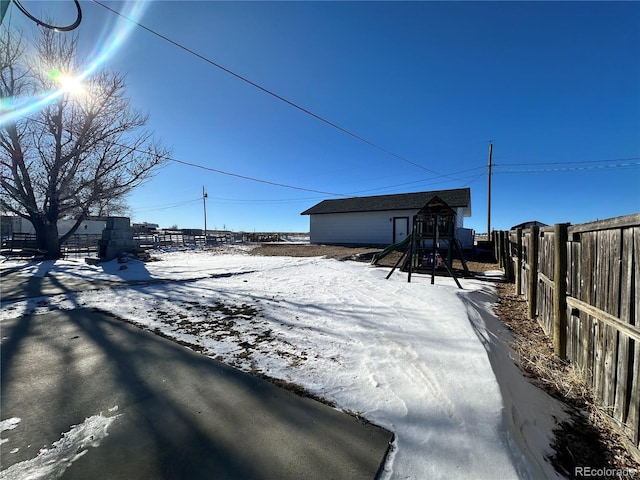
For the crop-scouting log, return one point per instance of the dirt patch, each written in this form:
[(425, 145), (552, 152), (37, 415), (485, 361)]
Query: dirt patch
[(358, 254), (307, 250)]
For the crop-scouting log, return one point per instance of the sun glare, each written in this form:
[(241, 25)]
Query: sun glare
[(67, 83), (71, 85), (115, 38)]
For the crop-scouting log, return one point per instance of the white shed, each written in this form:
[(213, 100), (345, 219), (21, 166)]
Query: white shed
[(377, 220), (90, 226)]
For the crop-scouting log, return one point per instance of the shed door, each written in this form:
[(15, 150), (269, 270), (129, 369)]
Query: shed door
[(400, 228)]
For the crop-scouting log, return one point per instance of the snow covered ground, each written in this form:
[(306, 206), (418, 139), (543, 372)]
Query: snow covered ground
[(420, 360)]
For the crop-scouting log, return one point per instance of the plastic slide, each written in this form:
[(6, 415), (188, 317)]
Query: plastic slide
[(380, 255)]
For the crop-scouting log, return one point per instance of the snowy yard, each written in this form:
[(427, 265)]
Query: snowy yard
[(420, 360)]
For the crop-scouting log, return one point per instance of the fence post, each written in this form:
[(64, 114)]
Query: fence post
[(506, 252), (518, 272), (503, 248), (494, 244), (560, 289), (532, 289)]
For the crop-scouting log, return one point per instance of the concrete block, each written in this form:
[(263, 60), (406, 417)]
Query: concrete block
[(115, 223), (119, 234)]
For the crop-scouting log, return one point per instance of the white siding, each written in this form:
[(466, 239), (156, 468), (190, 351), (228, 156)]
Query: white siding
[(366, 228), (94, 227), (465, 237), (459, 217)]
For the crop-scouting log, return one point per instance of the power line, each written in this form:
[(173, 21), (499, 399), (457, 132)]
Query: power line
[(221, 172), (422, 181), (284, 185), (566, 163), (168, 206), (263, 200), (571, 169), (253, 179), (273, 94), (474, 179)]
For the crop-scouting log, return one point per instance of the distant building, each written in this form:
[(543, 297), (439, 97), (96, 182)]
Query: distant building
[(9, 224), (13, 224), (145, 227), (526, 225), (380, 219)]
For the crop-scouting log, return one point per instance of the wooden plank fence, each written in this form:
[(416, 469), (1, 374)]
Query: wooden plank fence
[(81, 244), (179, 238), (76, 244), (582, 284)]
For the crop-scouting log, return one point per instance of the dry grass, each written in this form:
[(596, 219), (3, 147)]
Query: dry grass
[(587, 439)]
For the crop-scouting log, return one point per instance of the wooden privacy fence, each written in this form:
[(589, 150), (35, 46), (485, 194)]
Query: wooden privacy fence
[(581, 283)]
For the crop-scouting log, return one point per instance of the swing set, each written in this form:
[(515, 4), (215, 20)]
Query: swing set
[(433, 233)]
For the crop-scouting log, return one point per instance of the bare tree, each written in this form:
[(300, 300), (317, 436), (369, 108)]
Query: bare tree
[(78, 155)]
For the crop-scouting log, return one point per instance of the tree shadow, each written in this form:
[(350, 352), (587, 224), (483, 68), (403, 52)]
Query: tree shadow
[(48, 279), (180, 414)]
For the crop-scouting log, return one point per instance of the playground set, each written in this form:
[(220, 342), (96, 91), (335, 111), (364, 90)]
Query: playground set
[(432, 235)]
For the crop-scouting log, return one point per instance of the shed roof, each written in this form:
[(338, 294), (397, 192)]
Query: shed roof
[(529, 224), (460, 197)]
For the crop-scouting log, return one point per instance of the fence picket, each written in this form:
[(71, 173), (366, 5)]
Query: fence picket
[(603, 304), (633, 418), (624, 361)]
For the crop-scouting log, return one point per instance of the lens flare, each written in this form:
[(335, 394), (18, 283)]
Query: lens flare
[(71, 85), (14, 108), (54, 74)]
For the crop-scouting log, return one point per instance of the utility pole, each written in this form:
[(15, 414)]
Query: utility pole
[(204, 205), (489, 191)]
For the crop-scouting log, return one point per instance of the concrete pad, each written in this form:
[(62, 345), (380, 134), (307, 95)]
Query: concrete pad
[(179, 414)]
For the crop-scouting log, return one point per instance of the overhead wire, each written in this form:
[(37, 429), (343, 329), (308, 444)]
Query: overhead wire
[(566, 163), (254, 179), (169, 206), (264, 200), (474, 179), (269, 92), (422, 181), (568, 169), (499, 167), (223, 172), (350, 194)]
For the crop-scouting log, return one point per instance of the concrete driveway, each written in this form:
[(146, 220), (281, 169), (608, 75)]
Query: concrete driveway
[(151, 409)]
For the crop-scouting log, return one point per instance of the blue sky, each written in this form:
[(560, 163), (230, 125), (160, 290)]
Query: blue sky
[(554, 86)]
